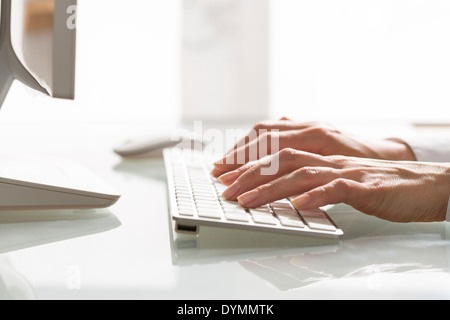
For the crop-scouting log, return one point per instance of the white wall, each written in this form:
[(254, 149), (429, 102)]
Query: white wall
[(387, 59), (329, 60), (128, 66)]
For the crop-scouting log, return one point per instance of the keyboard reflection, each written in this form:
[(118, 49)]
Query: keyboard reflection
[(370, 247)]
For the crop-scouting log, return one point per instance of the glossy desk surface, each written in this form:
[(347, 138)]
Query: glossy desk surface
[(128, 251)]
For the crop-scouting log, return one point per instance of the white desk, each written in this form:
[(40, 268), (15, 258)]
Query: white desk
[(127, 252)]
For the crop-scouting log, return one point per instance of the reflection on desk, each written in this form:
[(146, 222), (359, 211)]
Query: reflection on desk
[(370, 247), (24, 229), (150, 168)]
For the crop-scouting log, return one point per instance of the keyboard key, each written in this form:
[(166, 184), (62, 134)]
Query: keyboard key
[(292, 223), (211, 213), (237, 216), (264, 219), (263, 216), (231, 204), (195, 165), (317, 219), (208, 206), (183, 194), (185, 202), (233, 207), (281, 204), (287, 214), (220, 187), (186, 212), (203, 191), (235, 210), (206, 200), (289, 218), (263, 209), (186, 209)]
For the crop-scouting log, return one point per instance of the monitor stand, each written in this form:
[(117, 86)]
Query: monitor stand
[(10, 66)]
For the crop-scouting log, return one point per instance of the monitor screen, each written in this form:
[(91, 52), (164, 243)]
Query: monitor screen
[(38, 46)]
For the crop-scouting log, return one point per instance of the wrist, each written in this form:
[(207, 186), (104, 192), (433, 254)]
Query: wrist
[(447, 194), (400, 151)]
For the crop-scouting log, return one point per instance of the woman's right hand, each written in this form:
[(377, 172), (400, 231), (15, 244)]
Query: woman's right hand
[(400, 191)]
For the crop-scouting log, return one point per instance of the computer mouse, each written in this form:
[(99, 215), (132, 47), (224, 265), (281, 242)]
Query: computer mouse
[(154, 146)]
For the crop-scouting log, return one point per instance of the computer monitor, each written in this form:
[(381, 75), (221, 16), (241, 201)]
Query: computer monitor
[(38, 46)]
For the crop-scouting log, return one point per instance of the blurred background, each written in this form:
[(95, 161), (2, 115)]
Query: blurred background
[(248, 60), (369, 60)]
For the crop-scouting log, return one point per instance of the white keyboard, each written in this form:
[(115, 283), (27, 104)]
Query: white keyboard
[(195, 200)]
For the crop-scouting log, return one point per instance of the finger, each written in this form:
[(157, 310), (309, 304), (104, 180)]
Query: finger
[(266, 144), (229, 177), (286, 186), (337, 191), (255, 176), (284, 124), (271, 168), (312, 139), (258, 172)]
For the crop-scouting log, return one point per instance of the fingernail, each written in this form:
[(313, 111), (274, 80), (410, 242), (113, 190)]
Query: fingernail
[(229, 177), (217, 171), (214, 172), (226, 159), (232, 191), (301, 202), (247, 198)]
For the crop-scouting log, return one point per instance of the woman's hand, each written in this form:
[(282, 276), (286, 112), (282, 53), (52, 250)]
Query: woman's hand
[(398, 191), (310, 137)]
